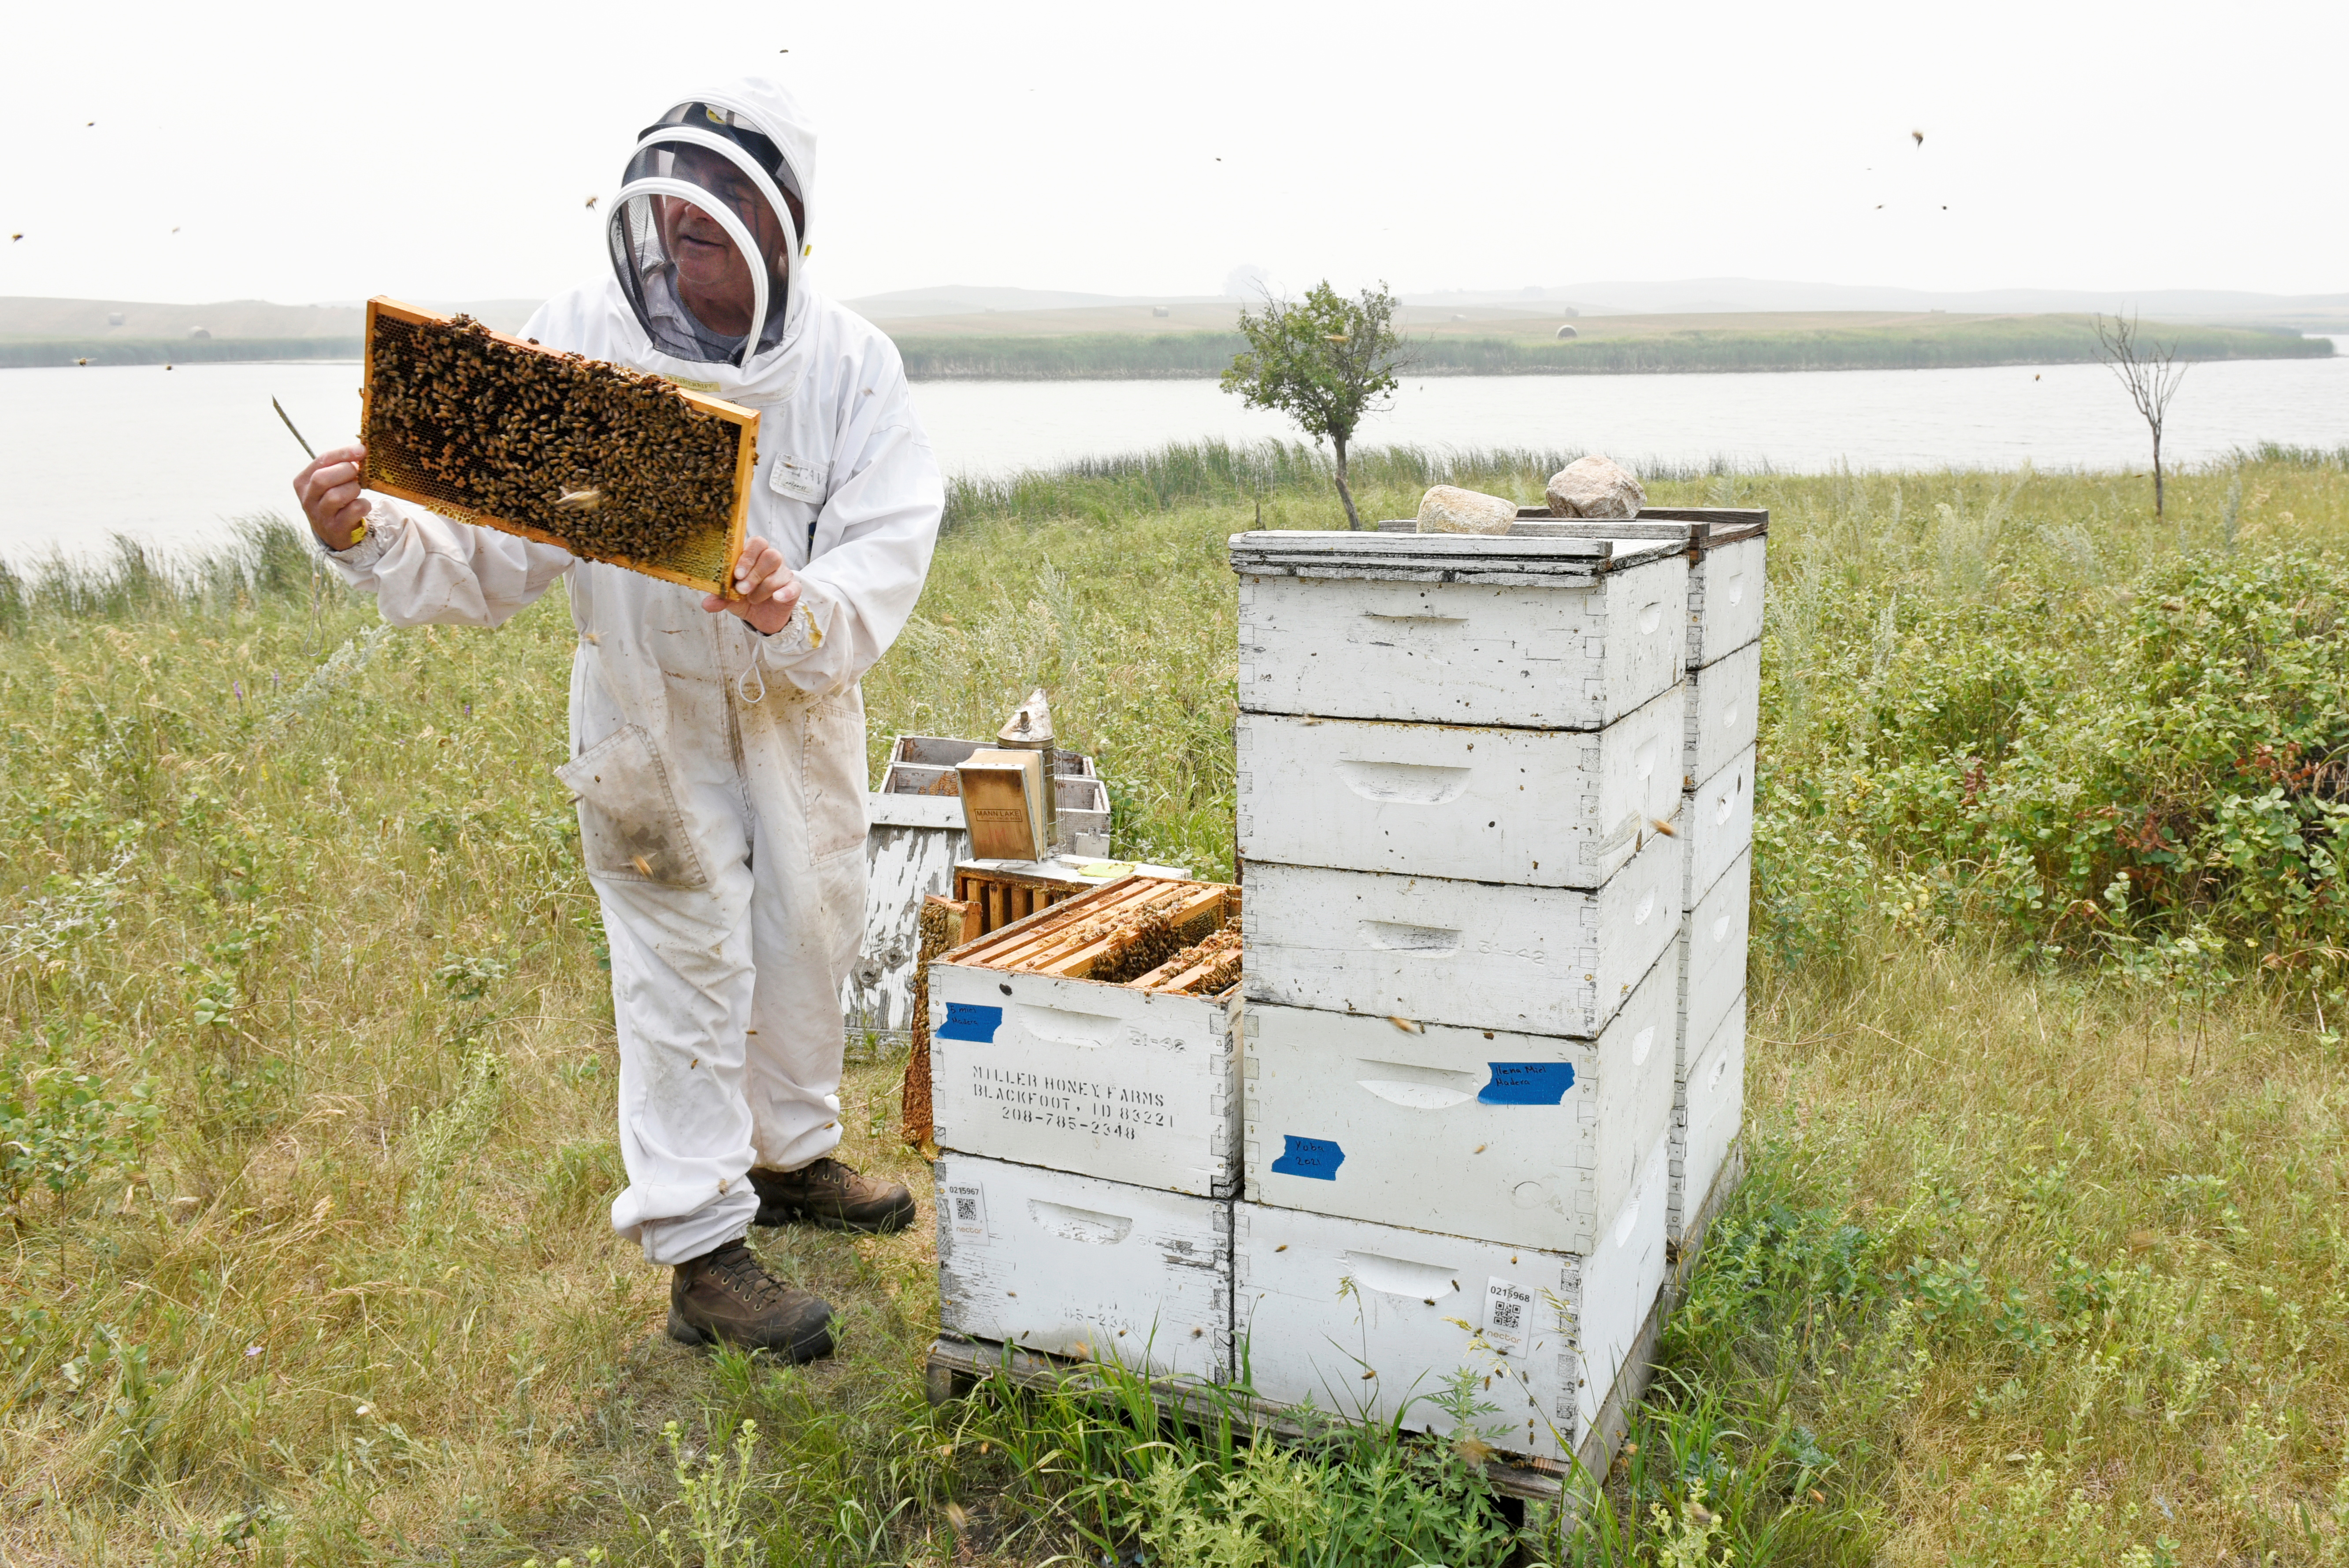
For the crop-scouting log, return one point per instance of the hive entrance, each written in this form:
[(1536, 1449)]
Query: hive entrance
[(612, 464)]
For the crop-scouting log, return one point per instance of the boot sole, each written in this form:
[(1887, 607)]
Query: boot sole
[(814, 1348)]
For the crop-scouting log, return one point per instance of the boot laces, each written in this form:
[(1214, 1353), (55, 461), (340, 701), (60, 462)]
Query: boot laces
[(739, 1270)]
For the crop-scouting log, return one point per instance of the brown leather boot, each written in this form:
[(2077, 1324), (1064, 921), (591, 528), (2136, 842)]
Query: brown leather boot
[(728, 1295), (832, 1195)]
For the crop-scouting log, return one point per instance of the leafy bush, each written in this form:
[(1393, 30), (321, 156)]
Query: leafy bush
[(2156, 775)]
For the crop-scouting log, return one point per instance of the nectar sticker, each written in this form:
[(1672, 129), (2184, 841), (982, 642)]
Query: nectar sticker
[(1509, 1314), (967, 1207)]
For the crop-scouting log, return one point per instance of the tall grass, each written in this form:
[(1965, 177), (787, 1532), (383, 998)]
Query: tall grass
[(307, 1074)]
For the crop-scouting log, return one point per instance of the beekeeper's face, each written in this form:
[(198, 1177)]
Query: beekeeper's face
[(702, 233), (711, 272)]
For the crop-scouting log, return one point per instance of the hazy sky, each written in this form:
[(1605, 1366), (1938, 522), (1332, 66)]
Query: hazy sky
[(444, 151)]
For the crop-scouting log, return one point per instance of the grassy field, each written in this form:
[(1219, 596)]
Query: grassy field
[(308, 1068)]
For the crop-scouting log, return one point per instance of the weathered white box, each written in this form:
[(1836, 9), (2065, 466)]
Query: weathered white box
[(1725, 547), (1717, 826), (1553, 634), (1712, 956), (1546, 808), (1534, 1140), (1710, 1108), (1130, 1086), (1725, 599), (1533, 960), (1073, 1265), (1724, 701), (1363, 1320)]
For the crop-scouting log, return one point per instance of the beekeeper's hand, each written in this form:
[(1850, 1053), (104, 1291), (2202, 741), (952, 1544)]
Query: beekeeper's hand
[(329, 492), (770, 592)]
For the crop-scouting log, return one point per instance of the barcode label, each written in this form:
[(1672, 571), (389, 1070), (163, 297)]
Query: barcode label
[(1509, 1313), (967, 1208)]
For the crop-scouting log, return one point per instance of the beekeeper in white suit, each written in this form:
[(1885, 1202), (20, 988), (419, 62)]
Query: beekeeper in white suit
[(717, 746)]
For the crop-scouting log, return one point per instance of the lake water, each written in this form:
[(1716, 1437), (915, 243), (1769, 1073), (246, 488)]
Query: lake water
[(167, 457)]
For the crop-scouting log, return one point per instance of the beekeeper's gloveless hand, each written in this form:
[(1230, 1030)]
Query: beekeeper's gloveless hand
[(328, 490), (770, 592)]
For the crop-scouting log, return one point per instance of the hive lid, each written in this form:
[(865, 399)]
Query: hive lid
[(1701, 528), (1503, 560)]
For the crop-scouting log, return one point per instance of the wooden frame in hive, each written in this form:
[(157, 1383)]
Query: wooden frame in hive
[(703, 558)]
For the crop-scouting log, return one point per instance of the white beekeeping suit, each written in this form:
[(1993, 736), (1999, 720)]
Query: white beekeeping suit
[(721, 773)]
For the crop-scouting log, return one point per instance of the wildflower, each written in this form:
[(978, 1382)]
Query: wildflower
[(252, 1351)]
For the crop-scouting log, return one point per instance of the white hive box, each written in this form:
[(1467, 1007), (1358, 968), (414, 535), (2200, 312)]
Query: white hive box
[(1532, 960), (1725, 549), (1724, 709), (1532, 1141), (1545, 807), (910, 850), (1717, 826), (1076, 1266), (1319, 1301), (1079, 1075), (1712, 956), (1724, 598), (1706, 1121), (1548, 632)]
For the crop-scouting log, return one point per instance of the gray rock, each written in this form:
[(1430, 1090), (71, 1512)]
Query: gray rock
[(1448, 509), (1595, 487)]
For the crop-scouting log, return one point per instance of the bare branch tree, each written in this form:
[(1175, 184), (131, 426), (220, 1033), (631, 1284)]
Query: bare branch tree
[(2150, 371)]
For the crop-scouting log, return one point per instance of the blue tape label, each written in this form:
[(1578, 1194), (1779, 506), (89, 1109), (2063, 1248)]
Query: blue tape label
[(1317, 1157), (1527, 1083), (970, 1021)]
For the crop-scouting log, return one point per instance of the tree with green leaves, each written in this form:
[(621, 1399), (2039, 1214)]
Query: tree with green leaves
[(1325, 361)]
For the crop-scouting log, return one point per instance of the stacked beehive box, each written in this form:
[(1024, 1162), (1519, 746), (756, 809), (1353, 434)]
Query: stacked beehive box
[(1460, 760), (1085, 1098), (1723, 684)]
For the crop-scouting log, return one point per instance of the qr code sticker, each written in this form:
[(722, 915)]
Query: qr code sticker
[(967, 1206), (1507, 1307)]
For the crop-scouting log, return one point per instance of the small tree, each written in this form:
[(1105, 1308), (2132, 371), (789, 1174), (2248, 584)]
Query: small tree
[(2150, 371), (1324, 361)]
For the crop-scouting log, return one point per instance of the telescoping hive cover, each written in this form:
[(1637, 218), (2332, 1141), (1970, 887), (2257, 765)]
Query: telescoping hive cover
[(612, 464)]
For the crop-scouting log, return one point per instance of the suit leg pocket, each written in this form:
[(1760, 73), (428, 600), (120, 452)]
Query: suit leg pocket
[(629, 824)]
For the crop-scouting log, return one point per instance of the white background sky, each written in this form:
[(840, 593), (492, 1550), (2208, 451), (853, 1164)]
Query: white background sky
[(444, 151)]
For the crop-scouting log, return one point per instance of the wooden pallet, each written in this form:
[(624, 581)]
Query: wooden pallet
[(956, 1364), (703, 558)]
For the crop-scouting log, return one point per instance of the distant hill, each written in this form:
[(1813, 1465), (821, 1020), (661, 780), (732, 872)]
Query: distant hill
[(93, 320), (1734, 296)]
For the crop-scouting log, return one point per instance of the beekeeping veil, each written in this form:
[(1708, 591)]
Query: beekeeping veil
[(703, 234)]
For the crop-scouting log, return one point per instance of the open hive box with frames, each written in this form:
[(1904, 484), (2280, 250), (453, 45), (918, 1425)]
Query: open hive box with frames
[(1095, 1037), (612, 464)]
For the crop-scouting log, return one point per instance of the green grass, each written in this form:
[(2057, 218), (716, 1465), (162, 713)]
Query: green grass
[(307, 1069), (2025, 340)]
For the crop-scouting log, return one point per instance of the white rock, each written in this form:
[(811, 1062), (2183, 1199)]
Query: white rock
[(1595, 487), (1448, 509)]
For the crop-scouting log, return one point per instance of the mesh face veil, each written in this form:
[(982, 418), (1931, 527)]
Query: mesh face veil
[(702, 236)]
